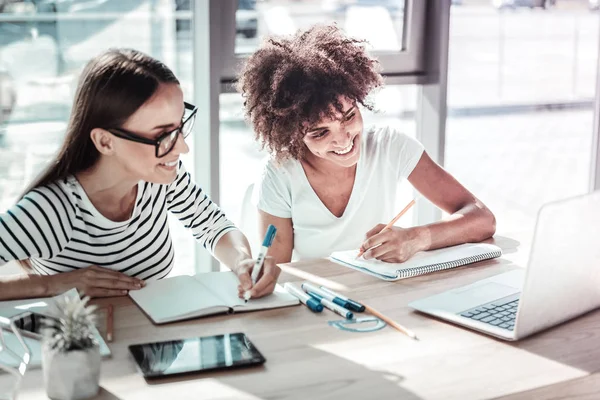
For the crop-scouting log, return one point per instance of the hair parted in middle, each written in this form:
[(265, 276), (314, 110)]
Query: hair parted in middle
[(291, 83)]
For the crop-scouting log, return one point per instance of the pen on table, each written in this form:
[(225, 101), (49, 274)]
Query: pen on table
[(262, 253), (305, 299), (109, 324), (392, 323), (331, 306), (309, 287), (340, 299), (391, 223)]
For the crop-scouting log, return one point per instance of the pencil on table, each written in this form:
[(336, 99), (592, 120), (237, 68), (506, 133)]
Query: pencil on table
[(391, 322), (392, 222), (109, 324)]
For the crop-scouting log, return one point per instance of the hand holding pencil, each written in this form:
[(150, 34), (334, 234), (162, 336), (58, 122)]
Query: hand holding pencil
[(391, 244)]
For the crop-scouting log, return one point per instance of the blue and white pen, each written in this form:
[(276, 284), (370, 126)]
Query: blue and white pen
[(350, 304), (309, 287), (262, 253), (331, 306), (305, 299)]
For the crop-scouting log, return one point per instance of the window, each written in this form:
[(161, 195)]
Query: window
[(520, 124), (394, 28), (43, 47)]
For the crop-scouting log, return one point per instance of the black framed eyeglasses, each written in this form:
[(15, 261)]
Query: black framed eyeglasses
[(165, 142)]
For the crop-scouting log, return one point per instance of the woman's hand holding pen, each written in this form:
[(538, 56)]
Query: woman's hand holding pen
[(94, 281), (394, 245), (266, 281)]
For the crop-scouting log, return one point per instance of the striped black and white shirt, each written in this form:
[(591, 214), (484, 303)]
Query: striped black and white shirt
[(59, 230)]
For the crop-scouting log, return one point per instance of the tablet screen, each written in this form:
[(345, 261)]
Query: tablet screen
[(195, 354)]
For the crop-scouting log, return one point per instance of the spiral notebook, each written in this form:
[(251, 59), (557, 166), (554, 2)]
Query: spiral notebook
[(421, 263)]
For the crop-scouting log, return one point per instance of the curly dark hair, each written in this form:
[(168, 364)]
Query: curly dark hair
[(293, 82)]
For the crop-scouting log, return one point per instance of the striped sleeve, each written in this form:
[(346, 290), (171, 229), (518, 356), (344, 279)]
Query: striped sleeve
[(39, 225), (196, 211)]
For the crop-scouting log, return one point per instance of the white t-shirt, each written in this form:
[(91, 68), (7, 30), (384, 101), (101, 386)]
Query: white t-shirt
[(387, 157)]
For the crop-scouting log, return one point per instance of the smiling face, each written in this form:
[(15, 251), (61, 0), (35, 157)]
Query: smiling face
[(162, 113), (336, 141)]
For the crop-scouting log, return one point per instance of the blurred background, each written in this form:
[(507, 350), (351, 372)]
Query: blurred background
[(521, 82)]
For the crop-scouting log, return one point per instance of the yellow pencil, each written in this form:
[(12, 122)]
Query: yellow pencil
[(391, 322), (391, 223)]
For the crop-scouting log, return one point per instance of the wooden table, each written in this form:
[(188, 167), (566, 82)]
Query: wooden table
[(307, 359)]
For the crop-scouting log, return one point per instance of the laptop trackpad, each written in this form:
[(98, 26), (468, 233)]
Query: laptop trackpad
[(482, 294), (476, 294)]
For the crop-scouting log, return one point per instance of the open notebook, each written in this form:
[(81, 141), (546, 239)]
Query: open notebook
[(185, 296), (421, 263)]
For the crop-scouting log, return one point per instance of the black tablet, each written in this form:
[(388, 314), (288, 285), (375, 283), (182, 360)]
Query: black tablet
[(162, 359)]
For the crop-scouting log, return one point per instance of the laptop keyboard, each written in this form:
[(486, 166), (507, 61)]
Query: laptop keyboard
[(501, 313)]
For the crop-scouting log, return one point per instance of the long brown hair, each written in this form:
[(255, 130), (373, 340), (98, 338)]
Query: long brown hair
[(112, 86)]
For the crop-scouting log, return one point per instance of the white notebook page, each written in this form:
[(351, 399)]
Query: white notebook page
[(176, 296), (226, 283)]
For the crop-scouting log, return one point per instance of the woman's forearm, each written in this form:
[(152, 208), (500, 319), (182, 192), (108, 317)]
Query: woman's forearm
[(232, 248), (472, 223), (24, 286)]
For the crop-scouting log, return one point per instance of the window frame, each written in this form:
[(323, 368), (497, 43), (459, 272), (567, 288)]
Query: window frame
[(404, 66)]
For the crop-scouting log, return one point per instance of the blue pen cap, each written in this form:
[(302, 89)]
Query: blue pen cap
[(269, 236), (314, 305), (354, 306), (341, 303)]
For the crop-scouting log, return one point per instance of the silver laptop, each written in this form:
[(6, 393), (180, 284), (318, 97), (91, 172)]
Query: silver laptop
[(561, 281)]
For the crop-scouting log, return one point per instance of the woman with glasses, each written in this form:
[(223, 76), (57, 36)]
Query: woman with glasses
[(96, 218)]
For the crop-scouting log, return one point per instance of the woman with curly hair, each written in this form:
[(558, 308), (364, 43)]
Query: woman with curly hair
[(331, 184)]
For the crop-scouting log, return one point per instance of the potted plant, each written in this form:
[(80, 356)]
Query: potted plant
[(70, 352)]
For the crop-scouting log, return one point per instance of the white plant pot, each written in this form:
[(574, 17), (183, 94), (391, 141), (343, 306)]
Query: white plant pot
[(71, 375)]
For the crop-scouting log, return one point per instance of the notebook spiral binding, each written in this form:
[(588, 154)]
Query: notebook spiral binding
[(407, 273)]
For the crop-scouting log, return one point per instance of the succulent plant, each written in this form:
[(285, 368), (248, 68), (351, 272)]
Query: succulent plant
[(73, 328)]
